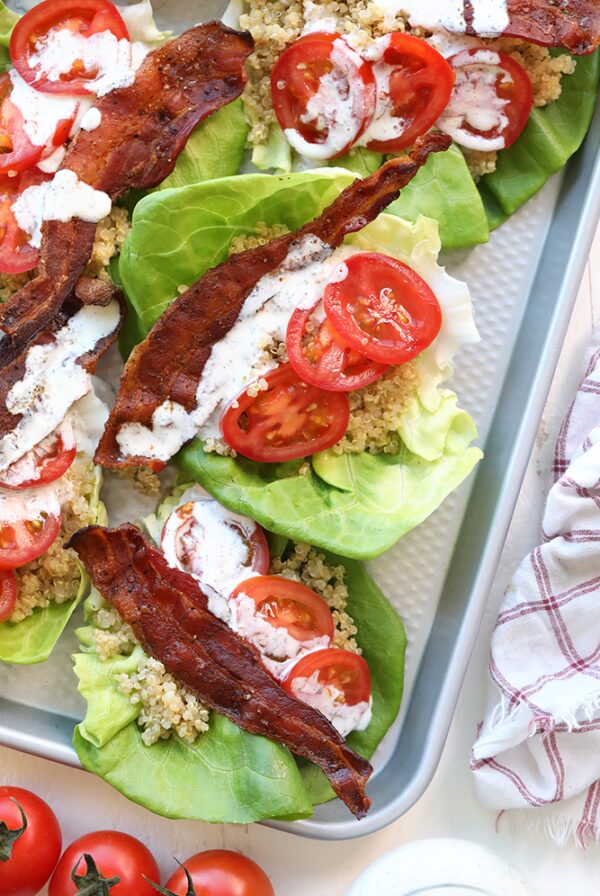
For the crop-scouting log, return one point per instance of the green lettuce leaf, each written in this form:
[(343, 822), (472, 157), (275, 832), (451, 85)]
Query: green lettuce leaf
[(228, 775), (33, 639), (552, 135), (8, 19)]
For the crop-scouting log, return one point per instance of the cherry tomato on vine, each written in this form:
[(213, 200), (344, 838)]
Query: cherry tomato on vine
[(220, 872), (288, 420), (119, 859), (284, 603), (383, 309), (414, 84), (82, 18), (491, 100), (30, 842), (323, 95)]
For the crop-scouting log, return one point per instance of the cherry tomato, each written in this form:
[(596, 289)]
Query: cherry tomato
[(323, 95), (115, 855), (49, 460), (220, 872), (320, 357), (23, 540), (9, 591), (414, 84), (289, 420), (340, 669), (82, 17), (491, 100), (16, 252), (185, 544), (33, 855), (285, 603), (383, 309)]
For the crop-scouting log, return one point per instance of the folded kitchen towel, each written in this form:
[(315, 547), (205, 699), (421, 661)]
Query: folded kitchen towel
[(539, 745)]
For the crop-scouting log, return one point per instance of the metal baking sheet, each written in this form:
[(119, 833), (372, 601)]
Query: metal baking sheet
[(524, 284)]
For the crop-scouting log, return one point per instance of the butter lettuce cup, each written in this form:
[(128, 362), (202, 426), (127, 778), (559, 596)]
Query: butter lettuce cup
[(304, 610), (407, 443)]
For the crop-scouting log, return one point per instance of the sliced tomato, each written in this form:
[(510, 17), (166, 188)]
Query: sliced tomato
[(383, 308), (45, 463), (491, 100), (285, 603), (82, 17), (320, 357), (8, 593), (288, 420), (347, 672), (16, 252), (323, 95), (414, 84), (17, 152), (23, 540)]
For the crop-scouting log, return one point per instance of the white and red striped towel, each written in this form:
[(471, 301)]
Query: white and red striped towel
[(539, 744)]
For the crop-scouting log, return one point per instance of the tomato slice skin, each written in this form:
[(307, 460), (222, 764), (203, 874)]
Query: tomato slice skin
[(17, 255), (296, 79), (9, 591), (383, 309), (23, 540), (323, 359), (347, 672), (288, 421), (285, 603), (415, 90), (512, 86), (52, 458), (85, 17)]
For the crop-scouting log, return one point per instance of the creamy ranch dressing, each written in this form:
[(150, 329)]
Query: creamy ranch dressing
[(330, 701), (53, 380), (475, 102), (490, 17), (235, 361), (63, 198), (30, 504), (41, 111)]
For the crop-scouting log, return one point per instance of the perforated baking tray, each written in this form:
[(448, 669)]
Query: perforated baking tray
[(524, 283)]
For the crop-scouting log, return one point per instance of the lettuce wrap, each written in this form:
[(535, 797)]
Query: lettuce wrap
[(227, 775), (32, 640), (355, 505)]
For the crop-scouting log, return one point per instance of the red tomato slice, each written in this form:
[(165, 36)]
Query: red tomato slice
[(414, 84), (321, 358), (185, 540), (16, 252), (24, 540), (323, 95), (85, 17), (50, 459), (289, 420), (491, 100), (285, 603), (9, 591), (383, 309), (345, 671)]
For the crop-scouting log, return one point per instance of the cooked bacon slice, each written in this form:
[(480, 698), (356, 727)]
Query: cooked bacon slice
[(15, 370), (169, 615), (572, 24), (168, 364), (144, 127)]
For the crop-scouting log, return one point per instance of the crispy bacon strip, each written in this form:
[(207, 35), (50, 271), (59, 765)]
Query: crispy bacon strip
[(573, 24), (169, 614), (168, 364), (14, 371), (144, 127)]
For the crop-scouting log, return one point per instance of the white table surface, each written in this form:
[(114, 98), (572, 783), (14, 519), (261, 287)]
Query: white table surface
[(448, 808)]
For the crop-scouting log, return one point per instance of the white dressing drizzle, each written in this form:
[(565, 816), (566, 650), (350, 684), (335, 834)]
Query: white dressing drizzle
[(29, 504), (236, 360), (41, 112), (330, 701), (490, 17), (63, 198), (53, 380), (475, 103)]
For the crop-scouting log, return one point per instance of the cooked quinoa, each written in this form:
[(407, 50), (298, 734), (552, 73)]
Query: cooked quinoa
[(275, 24), (143, 479), (166, 706), (56, 575), (110, 236)]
